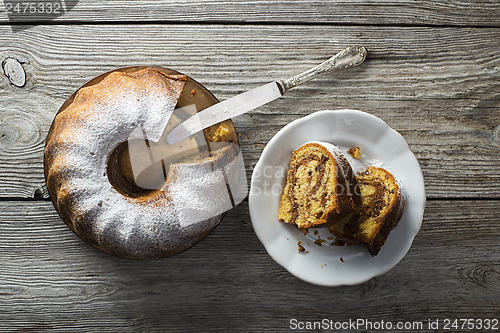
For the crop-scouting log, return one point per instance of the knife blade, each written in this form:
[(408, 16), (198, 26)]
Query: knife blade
[(229, 108), (247, 101)]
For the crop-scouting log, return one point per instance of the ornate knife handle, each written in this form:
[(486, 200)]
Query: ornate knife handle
[(348, 57)]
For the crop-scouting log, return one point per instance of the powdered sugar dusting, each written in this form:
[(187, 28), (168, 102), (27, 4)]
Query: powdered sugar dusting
[(203, 193), (101, 117), (376, 163), (190, 196)]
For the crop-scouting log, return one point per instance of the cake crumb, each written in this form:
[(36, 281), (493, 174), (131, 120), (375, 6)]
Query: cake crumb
[(300, 247), (319, 241), (193, 92), (355, 152), (220, 133), (342, 259), (251, 117)]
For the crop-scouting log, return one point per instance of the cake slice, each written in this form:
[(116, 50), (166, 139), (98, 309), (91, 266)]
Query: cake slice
[(320, 187), (382, 205)]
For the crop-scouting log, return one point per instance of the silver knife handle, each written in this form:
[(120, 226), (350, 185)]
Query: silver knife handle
[(348, 57)]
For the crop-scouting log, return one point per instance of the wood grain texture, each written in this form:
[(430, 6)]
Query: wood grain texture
[(52, 281), (395, 12), (438, 87)]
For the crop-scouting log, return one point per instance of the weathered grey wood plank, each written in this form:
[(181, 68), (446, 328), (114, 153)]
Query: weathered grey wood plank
[(438, 87), (52, 281), (395, 12)]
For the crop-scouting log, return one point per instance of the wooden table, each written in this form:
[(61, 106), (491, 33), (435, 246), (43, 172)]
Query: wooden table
[(433, 74)]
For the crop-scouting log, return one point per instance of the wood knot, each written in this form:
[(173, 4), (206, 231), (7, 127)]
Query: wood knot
[(14, 71), (482, 275), (41, 193)]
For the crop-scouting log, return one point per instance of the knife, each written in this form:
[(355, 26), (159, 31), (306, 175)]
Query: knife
[(247, 101)]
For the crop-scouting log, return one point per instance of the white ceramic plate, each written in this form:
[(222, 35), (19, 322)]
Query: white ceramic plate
[(335, 265)]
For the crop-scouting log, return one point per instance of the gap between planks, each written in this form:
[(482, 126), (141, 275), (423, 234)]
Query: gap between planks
[(246, 23)]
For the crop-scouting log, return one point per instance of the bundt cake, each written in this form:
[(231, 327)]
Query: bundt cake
[(319, 187), (104, 208), (382, 205)]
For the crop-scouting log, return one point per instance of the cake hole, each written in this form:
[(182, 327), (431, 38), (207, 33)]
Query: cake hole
[(121, 180)]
